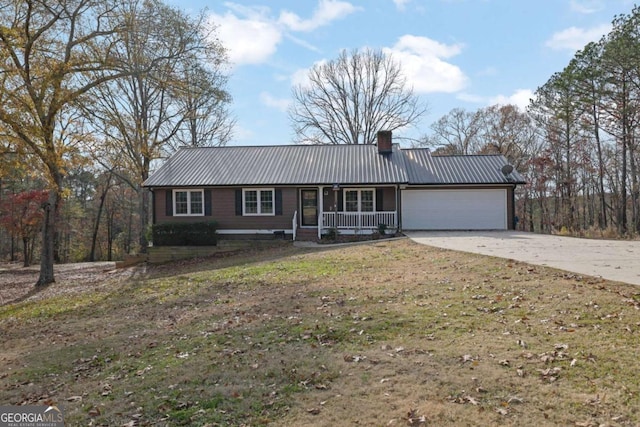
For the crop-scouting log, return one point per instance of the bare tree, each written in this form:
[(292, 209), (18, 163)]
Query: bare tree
[(506, 130), (144, 115), (349, 99), (457, 132), (206, 120)]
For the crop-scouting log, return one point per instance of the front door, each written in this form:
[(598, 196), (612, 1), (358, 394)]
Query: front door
[(309, 207)]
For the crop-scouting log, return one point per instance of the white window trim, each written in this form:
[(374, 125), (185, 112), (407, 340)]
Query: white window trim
[(188, 191), (359, 190), (259, 195)]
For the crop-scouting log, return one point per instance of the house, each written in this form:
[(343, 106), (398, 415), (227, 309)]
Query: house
[(303, 191)]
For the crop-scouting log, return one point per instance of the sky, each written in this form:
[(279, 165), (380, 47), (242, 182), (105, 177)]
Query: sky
[(465, 54)]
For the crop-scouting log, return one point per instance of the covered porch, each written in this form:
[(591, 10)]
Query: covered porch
[(348, 210), (359, 220)]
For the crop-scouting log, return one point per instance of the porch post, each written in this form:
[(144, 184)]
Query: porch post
[(398, 207), (320, 210)]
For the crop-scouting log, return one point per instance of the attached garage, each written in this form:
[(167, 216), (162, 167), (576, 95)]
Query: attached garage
[(455, 209)]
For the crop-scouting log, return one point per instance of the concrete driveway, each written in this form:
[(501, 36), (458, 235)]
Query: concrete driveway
[(610, 259)]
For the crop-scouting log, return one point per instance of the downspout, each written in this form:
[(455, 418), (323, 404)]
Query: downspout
[(398, 209), (513, 207), (153, 207), (320, 210)]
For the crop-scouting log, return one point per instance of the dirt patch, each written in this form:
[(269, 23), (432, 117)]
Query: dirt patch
[(17, 282)]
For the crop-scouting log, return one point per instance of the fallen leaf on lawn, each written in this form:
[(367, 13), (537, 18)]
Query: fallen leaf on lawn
[(74, 399), (471, 400), (313, 411), (547, 358), (573, 362), (106, 389), (94, 412), (502, 411), (504, 362), (550, 374), (356, 358), (413, 419)]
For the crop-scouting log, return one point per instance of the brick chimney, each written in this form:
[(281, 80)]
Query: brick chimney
[(384, 141)]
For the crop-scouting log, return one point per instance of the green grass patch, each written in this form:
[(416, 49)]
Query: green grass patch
[(368, 335)]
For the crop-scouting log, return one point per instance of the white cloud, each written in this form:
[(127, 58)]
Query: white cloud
[(271, 101), (326, 12), (301, 76), (586, 6), (401, 4), (519, 98), (575, 38), (251, 34), (249, 40), (469, 97), (488, 71), (241, 133), (422, 62)]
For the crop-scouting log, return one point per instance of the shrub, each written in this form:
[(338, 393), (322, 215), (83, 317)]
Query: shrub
[(382, 229), (332, 233), (185, 234)]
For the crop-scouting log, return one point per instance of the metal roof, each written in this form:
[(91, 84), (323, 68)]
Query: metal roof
[(280, 165), (425, 169), (324, 164)]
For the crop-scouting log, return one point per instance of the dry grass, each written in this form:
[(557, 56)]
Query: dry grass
[(390, 333)]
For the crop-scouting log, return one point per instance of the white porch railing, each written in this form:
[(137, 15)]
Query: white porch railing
[(358, 220)]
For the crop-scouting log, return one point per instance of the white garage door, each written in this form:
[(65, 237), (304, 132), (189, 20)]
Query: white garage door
[(454, 209)]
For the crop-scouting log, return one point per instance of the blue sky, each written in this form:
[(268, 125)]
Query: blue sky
[(455, 53)]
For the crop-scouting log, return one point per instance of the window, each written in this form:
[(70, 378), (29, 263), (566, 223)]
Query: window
[(257, 202), (188, 202), (351, 201), (359, 200)]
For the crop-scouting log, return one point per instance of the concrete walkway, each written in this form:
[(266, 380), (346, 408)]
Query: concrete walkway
[(610, 259)]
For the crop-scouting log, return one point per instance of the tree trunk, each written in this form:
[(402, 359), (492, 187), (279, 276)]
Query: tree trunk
[(144, 207), (94, 237), (26, 261), (13, 248), (144, 219), (48, 237), (622, 225), (602, 218)]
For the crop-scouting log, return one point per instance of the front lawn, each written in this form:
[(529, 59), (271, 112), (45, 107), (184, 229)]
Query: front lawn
[(388, 333)]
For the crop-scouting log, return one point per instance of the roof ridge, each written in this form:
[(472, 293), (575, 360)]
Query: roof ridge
[(187, 147)]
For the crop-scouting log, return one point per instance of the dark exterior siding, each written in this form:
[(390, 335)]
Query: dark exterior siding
[(388, 199), (223, 211)]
